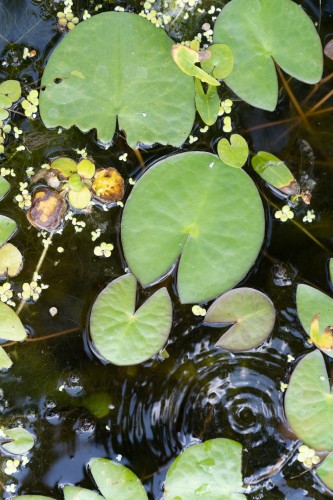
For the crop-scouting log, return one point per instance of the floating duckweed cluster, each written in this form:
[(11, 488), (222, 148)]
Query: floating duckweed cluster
[(30, 104), (284, 214), (6, 294), (307, 456), (103, 250)]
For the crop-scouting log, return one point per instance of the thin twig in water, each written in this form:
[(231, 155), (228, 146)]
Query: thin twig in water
[(45, 337), (293, 98)]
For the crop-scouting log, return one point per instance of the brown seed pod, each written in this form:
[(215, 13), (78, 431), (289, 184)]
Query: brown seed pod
[(47, 209), (108, 185)]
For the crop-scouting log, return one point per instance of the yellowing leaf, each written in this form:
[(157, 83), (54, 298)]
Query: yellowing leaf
[(324, 340), (186, 60)]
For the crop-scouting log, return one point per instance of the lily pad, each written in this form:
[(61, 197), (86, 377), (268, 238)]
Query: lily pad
[(79, 199), (11, 260), (136, 83), (194, 207), (64, 166), (4, 187), (116, 481), (221, 61), (7, 228), (209, 470), (251, 313), (11, 89), (325, 471), (5, 361), (309, 302), (234, 153), (122, 335), (22, 441), (86, 169), (309, 403), (11, 327), (75, 493), (186, 59), (207, 103), (256, 42), (275, 172)]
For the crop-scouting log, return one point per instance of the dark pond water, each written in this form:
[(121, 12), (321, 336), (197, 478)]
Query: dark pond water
[(200, 391)]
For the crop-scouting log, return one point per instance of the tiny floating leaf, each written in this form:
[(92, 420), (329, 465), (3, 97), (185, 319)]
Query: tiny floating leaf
[(21, 441), (86, 169), (79, 199), (186, 59), (207, 103), (212, 470), (221, 61), (275, 172), (251, 314), (122, 335), (234, 153), (11, 89), (11, 260), (64, 167)]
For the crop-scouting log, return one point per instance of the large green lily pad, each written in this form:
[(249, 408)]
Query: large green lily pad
[(251, 314), (194, 207), (7, 228), (309, 402), (11, 327), (21, 441), (261, 32), (115, 480), (122, 335), (118, 66), (210, 470), (309, 302)]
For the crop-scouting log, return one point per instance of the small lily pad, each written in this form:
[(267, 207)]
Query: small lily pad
[(64, 167), (11, 89), (309, 403), (79, 199), (21, 441), (7, 228), (75, 493), (4, 187), (116, 481), (251, 313), (5, 361), (234, 153), (11, 327), (11, 260), (325, 471), (86, 169), (186, 59), (75, 182), (47, 209), (275, 172), (309, 302), (221, 61), (209, 470), (122, 335), (207, 103)]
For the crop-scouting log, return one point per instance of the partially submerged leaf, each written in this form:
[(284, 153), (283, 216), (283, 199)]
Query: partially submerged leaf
[(122, 335), (5, 361), (275, 172), (186, 59), (21, 441), (4, 187), (207, 103), (291, 41), (7, 228), (11, 89), (211, 470), (221, 61), (97, 403), (192, 206), (116, 481), (47, 209), (108, 185), (11, 327), (136, 83), (325, 471), (309, 403), (11, 260), (75, 493), (322, 339), (251, 314), (234, 153), (310, 302)]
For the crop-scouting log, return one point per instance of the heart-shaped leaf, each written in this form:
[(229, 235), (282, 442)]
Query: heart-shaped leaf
[(221, 61), (309, 402), (309, 302), (251, 313), (11, 260), (209, 470), (75, 493), (11, 327), (207, 103), (136, 83), (186, 59), (21, 441), (257, 41), (11, 89), (234, 153), (116, 481), (275, 172), (7, 228), (4, 187), (325, 471), (5, 361), (122, 335), (192, 205)]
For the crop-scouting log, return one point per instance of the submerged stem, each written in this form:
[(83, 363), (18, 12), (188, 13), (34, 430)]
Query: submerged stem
[(139, 157), (293, 98), (45, 337)]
